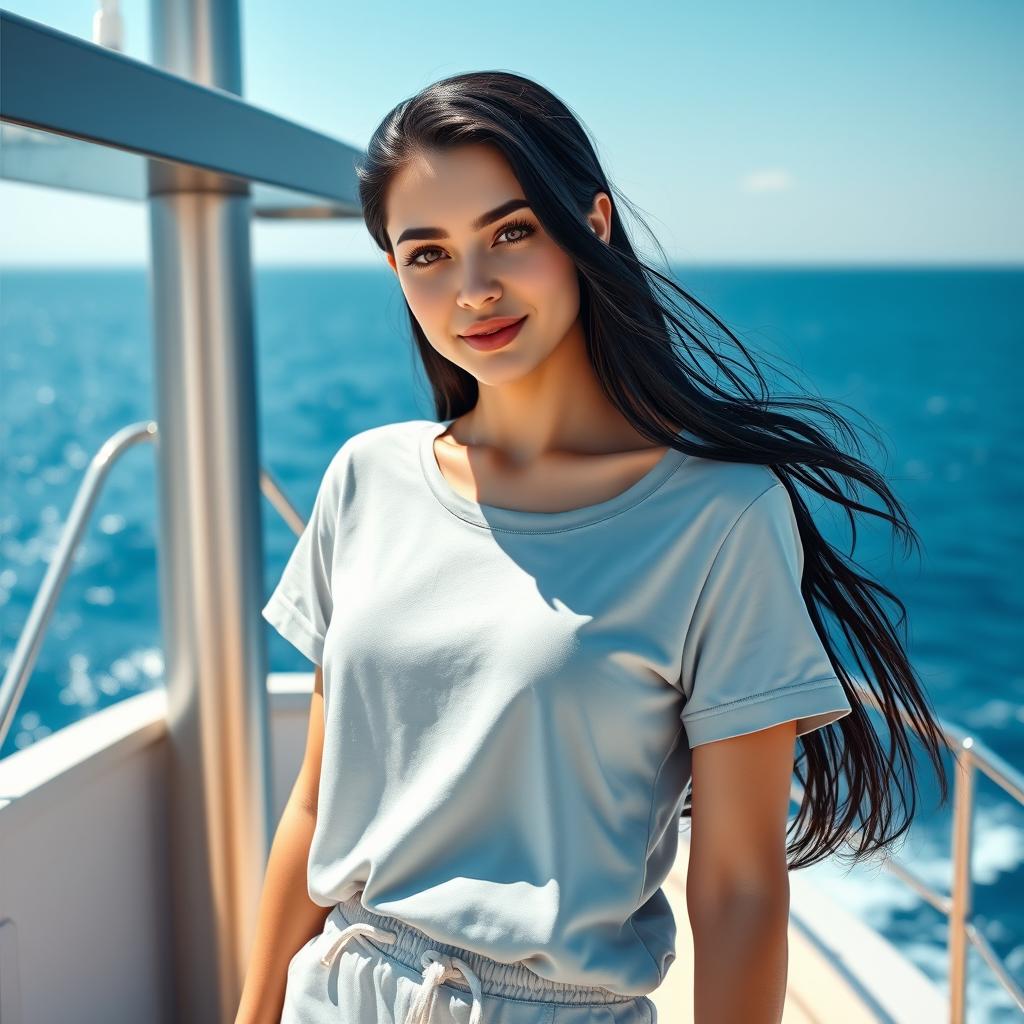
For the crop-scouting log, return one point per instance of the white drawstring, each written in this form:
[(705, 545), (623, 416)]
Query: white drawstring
[(440, 967), (350, 932)]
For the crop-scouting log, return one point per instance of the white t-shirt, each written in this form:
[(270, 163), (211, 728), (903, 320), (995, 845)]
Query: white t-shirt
[(511, 697)]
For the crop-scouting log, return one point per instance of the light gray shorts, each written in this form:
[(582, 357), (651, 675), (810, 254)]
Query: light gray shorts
[(367, 969)]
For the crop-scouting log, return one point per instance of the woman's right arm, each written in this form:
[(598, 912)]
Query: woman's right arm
[(287, 917)]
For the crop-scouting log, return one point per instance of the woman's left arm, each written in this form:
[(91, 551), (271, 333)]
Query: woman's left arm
[(737, 882)]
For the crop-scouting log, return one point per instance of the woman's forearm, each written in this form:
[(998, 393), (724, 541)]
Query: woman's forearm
[(741, 954), (286, 920)]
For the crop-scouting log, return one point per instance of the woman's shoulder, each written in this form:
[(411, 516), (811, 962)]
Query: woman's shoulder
[(375, 447), (725, 489)]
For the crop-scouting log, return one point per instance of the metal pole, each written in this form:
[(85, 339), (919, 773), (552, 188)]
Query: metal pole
[(960, 904), (210, 538)]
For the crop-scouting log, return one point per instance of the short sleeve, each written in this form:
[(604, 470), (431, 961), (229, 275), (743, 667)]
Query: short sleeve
[(751, 656), (301, 605)]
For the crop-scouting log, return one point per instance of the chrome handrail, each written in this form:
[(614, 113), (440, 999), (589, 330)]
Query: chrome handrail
[(30, 639), (970, 754)]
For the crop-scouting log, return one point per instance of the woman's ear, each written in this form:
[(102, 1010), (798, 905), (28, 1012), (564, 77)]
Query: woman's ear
[(600, 217)]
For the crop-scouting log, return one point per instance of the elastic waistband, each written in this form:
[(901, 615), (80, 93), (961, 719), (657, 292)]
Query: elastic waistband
[(507, 981)]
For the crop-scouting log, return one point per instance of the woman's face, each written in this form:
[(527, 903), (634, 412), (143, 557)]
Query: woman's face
[(461, 271)]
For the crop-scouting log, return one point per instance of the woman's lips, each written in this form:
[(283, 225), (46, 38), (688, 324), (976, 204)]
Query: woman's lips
[(486, 342)]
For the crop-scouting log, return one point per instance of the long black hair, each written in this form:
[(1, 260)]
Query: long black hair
[(673, 372)]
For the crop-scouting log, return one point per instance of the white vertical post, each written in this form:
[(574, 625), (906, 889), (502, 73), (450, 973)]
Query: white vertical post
[(211, 568)]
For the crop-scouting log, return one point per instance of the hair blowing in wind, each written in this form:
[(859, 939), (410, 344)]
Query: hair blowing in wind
[(664, 358)]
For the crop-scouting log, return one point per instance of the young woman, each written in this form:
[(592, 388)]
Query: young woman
[(588, 586)]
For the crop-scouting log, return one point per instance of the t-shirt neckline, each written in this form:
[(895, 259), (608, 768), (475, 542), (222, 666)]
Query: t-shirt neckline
[(495, 517)]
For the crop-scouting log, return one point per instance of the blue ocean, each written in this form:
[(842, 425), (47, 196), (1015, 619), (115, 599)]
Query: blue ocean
[(929, 358)]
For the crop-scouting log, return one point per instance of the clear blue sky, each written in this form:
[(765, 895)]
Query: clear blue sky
[(749, 132)]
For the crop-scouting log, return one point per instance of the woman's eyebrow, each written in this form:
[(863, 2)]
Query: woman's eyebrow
[(417, 234)]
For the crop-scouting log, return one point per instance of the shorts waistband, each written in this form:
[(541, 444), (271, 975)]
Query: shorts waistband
[(507, 981)]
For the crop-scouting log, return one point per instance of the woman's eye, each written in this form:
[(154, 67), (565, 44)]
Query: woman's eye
[(521, 226), (524, 227), (413, 256)]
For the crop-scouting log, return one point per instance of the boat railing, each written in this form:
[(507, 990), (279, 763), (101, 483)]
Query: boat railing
[(31, 638), (970, 755)]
